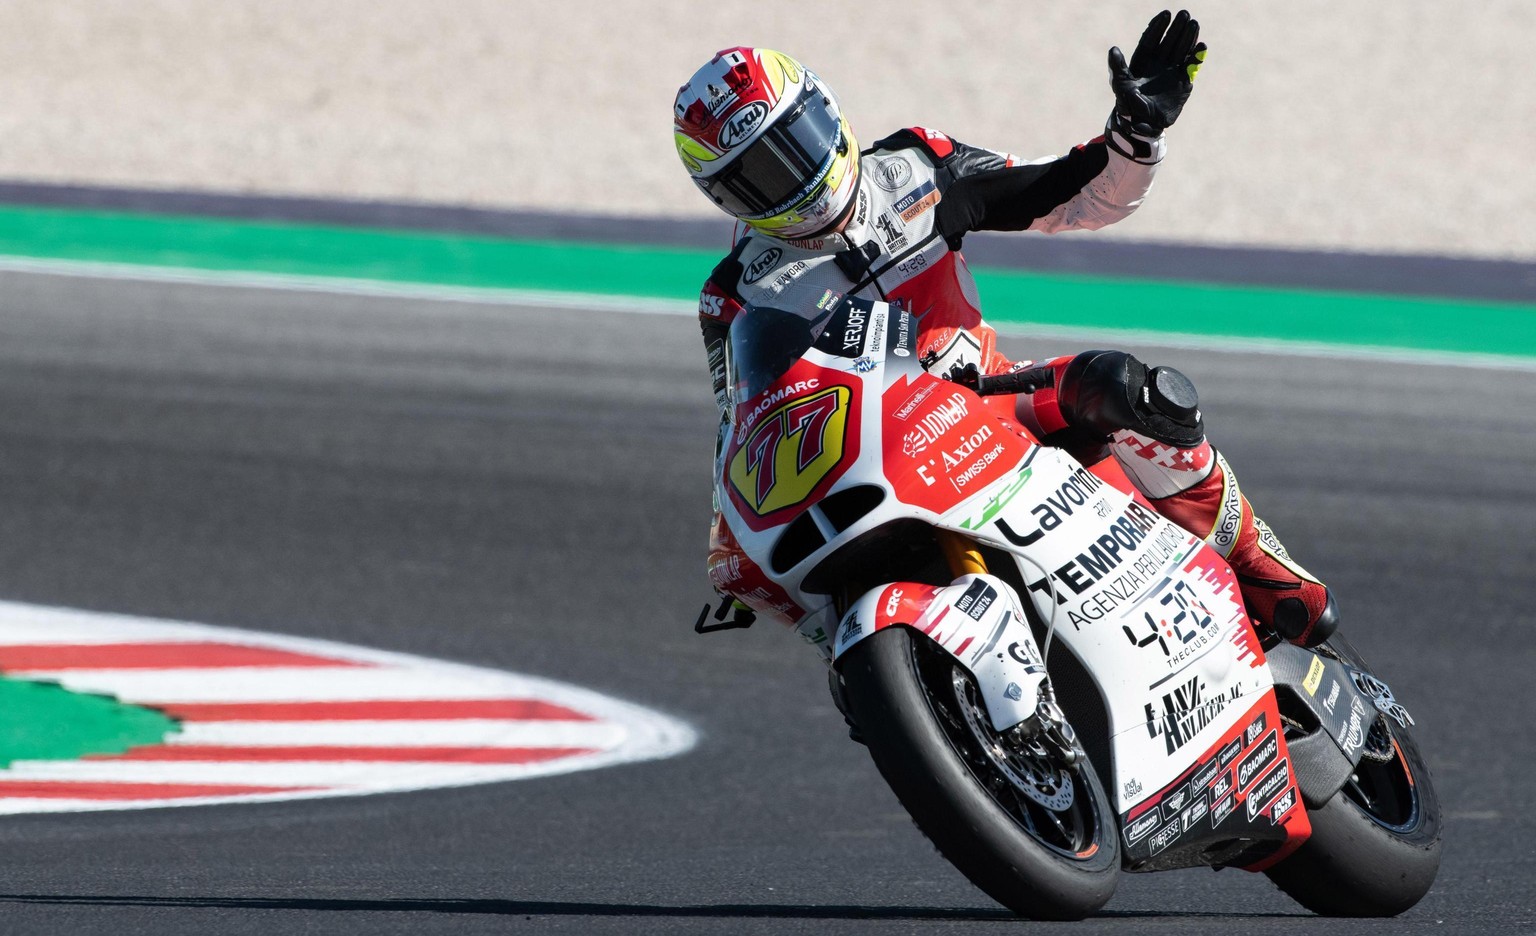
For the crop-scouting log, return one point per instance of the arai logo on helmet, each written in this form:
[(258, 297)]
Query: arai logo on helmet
[(765, 261), (741, 126)]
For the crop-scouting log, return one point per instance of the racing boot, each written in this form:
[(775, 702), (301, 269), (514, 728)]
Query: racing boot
[(1196, 489)]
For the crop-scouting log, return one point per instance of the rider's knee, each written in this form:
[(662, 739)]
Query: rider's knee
[(1107, 391)]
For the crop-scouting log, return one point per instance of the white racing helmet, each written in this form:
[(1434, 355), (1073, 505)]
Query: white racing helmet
[(765, 140)]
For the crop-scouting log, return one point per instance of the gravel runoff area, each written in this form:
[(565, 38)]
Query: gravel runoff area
[(1394, 128)]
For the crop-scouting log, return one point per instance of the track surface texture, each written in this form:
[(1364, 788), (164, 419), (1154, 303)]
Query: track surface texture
[(528, 490)]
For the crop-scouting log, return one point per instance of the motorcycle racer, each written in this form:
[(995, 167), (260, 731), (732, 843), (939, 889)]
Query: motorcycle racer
[(765, 139)]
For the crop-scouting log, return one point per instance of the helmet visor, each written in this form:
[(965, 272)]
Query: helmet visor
[(782, 166)]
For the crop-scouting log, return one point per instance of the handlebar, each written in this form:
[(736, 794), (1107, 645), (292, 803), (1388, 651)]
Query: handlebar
[(1024, 381)]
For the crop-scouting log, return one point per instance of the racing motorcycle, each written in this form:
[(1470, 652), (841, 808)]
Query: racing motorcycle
[(1056, 682)]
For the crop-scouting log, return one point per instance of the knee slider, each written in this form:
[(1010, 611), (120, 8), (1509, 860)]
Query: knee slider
[(1108, 391)]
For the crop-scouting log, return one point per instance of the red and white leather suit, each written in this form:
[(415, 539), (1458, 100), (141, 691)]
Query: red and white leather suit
[(919, 193)]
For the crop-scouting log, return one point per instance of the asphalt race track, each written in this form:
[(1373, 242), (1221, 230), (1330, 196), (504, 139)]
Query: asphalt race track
[(527, 489)]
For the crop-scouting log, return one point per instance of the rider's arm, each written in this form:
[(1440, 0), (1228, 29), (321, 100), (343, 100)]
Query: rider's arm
[(1096, 183), (719, 304)]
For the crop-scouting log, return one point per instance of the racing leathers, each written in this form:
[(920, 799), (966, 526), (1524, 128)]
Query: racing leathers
[(920, 193)]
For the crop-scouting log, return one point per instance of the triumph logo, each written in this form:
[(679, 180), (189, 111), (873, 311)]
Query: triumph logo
[(1354, 734), (1333, 697), (743, 124), (1196, 812)]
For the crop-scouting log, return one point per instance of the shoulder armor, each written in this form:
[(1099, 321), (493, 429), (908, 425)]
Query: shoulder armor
[(726, 276), (938, 146), (955, 160)]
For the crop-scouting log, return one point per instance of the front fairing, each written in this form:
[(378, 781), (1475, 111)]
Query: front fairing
[(853, 414)]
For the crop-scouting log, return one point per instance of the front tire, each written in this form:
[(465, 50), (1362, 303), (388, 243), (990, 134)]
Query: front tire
[(1040, 853), (1375, 846)]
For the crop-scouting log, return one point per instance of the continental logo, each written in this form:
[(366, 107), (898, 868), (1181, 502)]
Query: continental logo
[(792, 449)]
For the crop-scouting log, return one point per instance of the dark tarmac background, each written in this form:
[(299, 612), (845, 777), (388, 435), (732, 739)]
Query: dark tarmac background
[(528, 489)]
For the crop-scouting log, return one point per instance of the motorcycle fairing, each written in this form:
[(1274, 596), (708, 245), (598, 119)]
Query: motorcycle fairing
[(866, 347), (1156, 618), (978, 619), (1148, 608), (952, 444), (791, 444), (1344, 716), (1144, 604), (748, 582), (1237, 803)]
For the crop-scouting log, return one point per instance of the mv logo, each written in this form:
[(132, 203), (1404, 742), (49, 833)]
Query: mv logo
[(791, 451)]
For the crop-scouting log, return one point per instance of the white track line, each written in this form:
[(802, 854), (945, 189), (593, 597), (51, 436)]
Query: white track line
[(465, 732), (284, 684), (345, 286), (353, 775), (650, 305)]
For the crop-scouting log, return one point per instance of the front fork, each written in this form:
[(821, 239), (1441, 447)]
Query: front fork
[(1048, 726)]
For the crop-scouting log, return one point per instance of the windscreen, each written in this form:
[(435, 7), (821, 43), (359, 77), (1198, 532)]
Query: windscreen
[(767, 340)]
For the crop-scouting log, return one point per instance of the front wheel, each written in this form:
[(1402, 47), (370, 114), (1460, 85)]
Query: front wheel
[(1036, 835), (1375, 846)]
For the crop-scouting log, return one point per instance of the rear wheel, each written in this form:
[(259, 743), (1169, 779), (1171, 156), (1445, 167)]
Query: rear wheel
[(1375, 846), (1038, 835)]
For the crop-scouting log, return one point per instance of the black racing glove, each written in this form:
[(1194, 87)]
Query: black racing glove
[(1152, 89)]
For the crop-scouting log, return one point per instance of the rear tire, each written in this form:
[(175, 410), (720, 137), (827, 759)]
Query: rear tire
[(1375, 846), (961, 782)]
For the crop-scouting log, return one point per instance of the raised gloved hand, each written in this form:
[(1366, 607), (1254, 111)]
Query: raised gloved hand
[(1152, 89)]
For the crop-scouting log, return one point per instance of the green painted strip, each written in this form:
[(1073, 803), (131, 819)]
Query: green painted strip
[(45, 721), (1010, 297), (1255, 313), (317, 250)]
